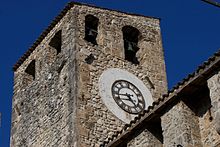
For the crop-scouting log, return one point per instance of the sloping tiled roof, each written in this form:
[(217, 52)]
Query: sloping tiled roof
[(202, 73), (53, 24)]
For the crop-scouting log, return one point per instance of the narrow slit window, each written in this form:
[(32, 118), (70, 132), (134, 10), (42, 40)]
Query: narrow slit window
[(56, 41), (91, 29), (30, 70), (130, 37)]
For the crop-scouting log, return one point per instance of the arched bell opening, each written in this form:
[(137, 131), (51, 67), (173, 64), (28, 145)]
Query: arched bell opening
[(91, 28), (130, 37)]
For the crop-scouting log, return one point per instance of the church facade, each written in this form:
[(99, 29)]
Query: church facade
[(96, 77)]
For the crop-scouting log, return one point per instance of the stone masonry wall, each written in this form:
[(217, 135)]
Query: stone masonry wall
[(210, 130), (181, 126), (95, 121), (145, 139), (43, 108)]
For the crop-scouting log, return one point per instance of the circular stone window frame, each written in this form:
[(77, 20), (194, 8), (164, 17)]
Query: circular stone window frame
[(107, 78)]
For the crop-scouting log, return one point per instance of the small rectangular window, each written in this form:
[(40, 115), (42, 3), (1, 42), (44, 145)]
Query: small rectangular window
[(30, 70), (56, 41)]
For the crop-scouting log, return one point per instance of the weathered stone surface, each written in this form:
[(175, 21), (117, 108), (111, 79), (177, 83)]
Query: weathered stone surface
[(212, 134), (43, 108), (145, 139), (180, 126)]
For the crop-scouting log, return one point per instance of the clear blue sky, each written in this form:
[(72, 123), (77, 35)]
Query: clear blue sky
[(190, 31)]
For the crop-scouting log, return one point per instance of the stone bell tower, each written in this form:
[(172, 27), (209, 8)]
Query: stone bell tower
[(89, 73)]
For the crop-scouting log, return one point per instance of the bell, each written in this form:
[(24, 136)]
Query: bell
[(130, 46), (90, 32)]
